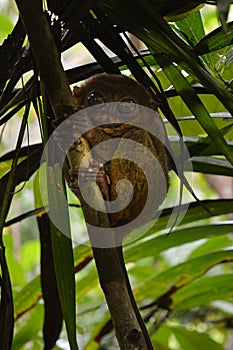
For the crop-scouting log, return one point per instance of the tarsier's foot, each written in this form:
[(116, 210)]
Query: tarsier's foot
[(95, 172)]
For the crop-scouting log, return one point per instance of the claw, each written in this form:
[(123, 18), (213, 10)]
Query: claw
[(95, 172)]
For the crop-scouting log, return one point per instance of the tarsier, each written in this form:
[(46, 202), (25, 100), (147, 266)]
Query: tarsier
[(130, 97)]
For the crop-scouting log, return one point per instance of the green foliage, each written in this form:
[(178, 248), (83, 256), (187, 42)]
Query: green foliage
[(6, 26), (177, 276)]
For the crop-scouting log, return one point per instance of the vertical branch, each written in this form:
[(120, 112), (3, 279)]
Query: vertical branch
[(47, 57), (130, 330)]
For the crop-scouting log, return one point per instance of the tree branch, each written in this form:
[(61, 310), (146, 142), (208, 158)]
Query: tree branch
[(46, 55), (130, 330)]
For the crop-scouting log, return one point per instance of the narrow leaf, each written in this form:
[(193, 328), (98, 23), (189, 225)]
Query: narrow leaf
[(27, 297), (210, 165), (194, 103), (178, 237), (62, 251), (175, 278), (215, 40), (53, 314), (203, 291)]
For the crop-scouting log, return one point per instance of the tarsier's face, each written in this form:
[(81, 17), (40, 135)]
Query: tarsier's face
[(101, 90), (112, 88)]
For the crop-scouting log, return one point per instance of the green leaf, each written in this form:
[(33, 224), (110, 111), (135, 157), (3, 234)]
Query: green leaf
[(6, 26), (194, 211), (5, 167), (40, 188), (27, 297), (210, 165), (97, 334), (211, 245), (15, 267), (194, 103), (177, 277), (62, 251), (30, 254), (52, 306), (192, 340), (215, 40), (87, 283), (203, 291), (28, 331), (148, 25), (156, 245), (205, 145), (162, 335), (191, 28)]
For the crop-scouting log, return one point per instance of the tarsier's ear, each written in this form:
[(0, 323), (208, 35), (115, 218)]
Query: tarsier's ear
[(154, 105), (78, 95), (76, 90)]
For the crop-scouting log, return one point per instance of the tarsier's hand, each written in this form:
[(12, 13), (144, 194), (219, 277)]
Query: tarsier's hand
[(127, 97)]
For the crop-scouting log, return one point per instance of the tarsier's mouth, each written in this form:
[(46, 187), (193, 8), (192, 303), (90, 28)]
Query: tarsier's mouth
[(111, 125), (108, 120)]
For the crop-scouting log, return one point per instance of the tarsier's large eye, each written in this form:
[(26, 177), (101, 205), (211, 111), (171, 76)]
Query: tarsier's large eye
[(127, 106), (95, 99)]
